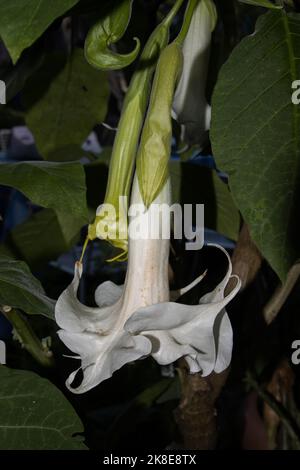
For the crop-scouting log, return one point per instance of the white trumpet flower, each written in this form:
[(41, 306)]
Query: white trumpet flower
[(97, 335), (137, 319), (190, 106)]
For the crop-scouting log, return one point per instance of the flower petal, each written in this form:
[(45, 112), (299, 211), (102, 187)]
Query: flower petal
[(166, 349), (223, 331), (170, 315), (108, 293), (101, 356), (73, 316), (175, 294), (200, 333)]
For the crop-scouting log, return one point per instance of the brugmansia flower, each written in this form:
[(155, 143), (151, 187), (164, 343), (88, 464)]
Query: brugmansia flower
[(190, 105), (137, 319), (97, 335)]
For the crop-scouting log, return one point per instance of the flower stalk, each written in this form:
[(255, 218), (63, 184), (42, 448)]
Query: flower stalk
[(27, 337)]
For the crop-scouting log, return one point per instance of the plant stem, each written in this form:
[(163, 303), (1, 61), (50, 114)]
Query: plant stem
[(286, 419), (27, 337), (196, 414), (246, 259), (281, 294)]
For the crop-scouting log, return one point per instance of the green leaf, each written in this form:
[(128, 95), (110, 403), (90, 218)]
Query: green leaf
[(45, 236), (227, 215), (69, 153), (35, 415), (107, 31), (63, 115), (20, 289), (262, 3), (59, 186), (255, 134), (23, 22)]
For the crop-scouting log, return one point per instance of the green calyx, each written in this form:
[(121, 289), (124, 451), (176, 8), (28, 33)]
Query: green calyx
[(155, 146), (111, 224)]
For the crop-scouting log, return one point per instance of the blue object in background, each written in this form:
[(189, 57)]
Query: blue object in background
[(5, 328), (215, 238), (203, 160)]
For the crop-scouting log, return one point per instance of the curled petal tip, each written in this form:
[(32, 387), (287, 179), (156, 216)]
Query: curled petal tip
[(78, 266)]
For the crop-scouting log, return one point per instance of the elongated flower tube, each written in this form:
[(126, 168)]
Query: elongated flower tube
[(190, 105), (106, 226)]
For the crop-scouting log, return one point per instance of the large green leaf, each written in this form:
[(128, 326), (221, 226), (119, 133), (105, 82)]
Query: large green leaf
[(227, 217), (23, 21), (35, 415), (45, 235), (63, 115), (20, 289), (59, 186), (255, 134)]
